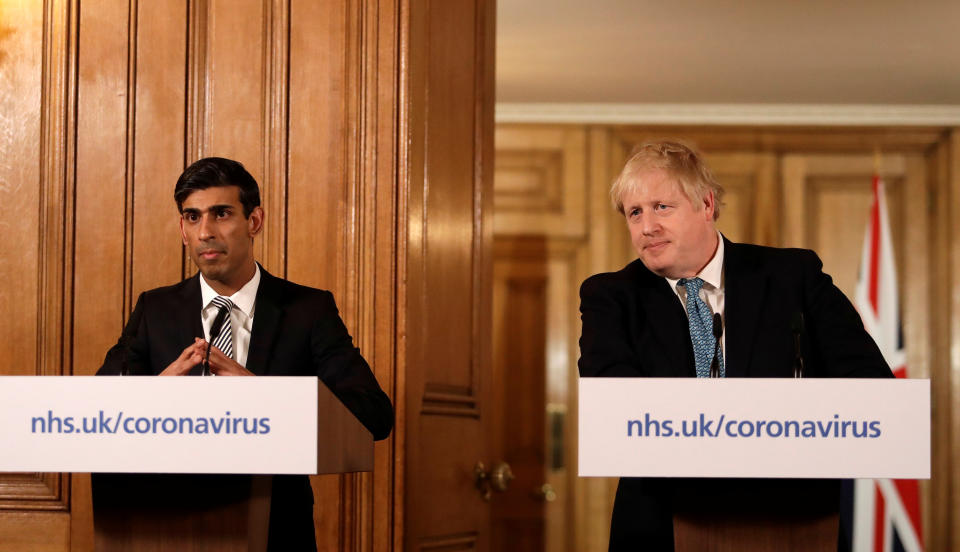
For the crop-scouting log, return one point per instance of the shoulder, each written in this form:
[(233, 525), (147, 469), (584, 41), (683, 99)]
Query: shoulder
[(631, 277), (290, 294), (170, 294), (771, 259)]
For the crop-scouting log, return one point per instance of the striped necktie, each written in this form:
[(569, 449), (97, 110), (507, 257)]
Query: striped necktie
[(224, 340)]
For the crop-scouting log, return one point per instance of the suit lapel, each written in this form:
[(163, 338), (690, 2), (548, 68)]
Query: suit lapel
[(189, 322), (668, 324), (744, 294), (266, 323)]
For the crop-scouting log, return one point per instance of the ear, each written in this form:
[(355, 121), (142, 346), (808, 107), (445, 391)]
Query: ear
[(709, 205), (255, 221), (183, 235)]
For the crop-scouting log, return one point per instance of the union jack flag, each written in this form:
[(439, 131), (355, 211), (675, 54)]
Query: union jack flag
[(886, 512)]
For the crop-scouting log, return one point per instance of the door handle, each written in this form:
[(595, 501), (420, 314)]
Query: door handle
[(545, 493), (497, 479)]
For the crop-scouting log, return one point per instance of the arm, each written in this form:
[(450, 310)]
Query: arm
[(835, 329), (605, 349), (131, 355), (341, 367)]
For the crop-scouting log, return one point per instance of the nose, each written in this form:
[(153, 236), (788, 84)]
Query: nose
[(649, 226), (205, 227)]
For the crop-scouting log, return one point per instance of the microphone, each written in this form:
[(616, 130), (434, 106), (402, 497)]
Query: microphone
[(214, 332), (717, 334), (797, 327), (126, 342)]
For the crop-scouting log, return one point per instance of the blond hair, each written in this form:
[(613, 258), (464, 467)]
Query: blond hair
[(677, 158)]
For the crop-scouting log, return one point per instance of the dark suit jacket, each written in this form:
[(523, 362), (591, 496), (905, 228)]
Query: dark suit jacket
[(297, 332), (634, 326)]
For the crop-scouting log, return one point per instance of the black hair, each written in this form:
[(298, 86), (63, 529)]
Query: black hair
[(216, 171)]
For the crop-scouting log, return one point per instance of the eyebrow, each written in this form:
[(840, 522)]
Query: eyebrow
[(194, 210)]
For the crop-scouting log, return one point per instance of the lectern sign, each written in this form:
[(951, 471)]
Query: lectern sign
[(158, 424), (737, 427)]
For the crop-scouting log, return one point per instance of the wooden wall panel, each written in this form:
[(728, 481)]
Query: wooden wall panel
[(38, 44), (317, 200), (945, 408), (154, 255), (541, 181), (235, 81), (105, 104), (319, 212), (21, 51), (448, 237), (103, 142), (21, 532), (749, 180)]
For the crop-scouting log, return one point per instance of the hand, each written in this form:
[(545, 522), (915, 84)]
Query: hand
[(222, 365), (190, 357)]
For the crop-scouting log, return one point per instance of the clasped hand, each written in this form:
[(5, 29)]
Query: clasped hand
[(220, 364)]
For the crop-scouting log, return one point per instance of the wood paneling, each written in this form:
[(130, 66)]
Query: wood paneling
[(946, 411), (159, 124), (520, 299), (103, 106), (38, 42), (20, 532), (541, 181), (447, 266)]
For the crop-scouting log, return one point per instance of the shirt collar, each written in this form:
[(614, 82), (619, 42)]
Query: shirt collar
[(712, 274), (244, 299)]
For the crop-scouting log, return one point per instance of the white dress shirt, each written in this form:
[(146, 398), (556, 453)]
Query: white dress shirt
[(241, 317), (712, 291)]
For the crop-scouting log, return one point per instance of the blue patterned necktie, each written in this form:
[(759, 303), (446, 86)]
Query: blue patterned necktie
[(224, 341), (701, 328)]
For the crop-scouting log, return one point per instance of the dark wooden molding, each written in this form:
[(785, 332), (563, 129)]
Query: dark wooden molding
[(276, 114), (130, 153)]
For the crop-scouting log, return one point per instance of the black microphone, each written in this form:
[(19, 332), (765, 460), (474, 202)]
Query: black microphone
[(717, 334), (214, 332), (126, 342), (797, 327)]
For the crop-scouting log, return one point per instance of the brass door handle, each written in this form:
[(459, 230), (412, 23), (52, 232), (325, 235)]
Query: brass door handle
[(498, 479), (545, 493)]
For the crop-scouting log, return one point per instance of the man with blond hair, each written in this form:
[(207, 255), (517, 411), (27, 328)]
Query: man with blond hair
[(655, 318)]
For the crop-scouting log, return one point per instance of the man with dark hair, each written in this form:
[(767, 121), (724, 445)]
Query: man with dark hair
[(654, 318), (272, 326)]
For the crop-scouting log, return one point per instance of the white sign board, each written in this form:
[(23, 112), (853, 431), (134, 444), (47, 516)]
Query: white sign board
[(120, 424), (740, 427)]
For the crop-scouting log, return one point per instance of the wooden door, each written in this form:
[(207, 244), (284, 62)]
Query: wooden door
[(520, 295), (447, 267)]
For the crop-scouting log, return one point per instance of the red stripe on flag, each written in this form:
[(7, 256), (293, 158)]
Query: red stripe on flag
[(879, 523), (909, 491), (875, 246)]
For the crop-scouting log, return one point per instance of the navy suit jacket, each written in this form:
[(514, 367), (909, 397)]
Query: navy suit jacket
[(297, 331), (634, 326)]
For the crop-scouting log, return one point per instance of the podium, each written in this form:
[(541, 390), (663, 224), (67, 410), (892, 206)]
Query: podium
[(180, 463), (754, 464)]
